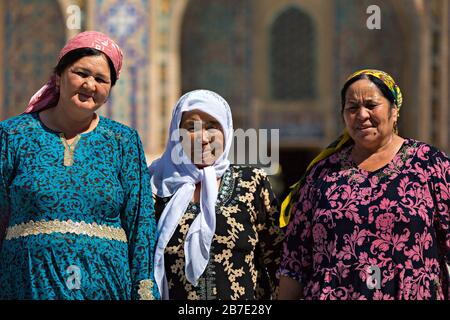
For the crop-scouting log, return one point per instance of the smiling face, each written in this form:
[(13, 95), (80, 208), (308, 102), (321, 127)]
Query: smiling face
[(85, 85), (368, 115), (203, 138)]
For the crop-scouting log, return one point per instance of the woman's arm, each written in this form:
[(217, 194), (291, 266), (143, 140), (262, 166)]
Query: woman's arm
[(270, 234), (441, 191), (290, 289), (5, 170), (138, 219), (297, 253)]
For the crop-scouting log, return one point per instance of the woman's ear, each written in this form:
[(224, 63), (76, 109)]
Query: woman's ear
[(394, 115), (57, 81), (395, 112)]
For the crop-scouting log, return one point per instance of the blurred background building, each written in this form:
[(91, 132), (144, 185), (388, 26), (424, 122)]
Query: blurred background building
[(279, 63)]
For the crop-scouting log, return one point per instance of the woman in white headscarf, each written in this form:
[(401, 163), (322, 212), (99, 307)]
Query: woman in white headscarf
[(218, 234)]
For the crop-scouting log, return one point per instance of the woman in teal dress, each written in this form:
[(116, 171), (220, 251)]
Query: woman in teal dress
[(76, 212)]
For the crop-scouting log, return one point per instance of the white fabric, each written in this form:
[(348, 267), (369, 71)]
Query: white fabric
[(175, 175)]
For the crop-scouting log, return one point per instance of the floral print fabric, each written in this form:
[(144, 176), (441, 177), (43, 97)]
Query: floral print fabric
[(85, 231), (373, 235), (245, 251)]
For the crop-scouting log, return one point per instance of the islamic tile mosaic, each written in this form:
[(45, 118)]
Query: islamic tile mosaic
[(216, 50), (30, 56), (360, 47), (127, 22)]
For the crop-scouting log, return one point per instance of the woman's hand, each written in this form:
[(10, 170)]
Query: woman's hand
[(290, 289)]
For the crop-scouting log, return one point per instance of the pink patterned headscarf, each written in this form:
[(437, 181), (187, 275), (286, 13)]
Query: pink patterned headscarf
[(48, 95)]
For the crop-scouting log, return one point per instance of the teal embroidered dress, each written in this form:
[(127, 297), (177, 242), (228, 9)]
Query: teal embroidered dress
[(74, 230)]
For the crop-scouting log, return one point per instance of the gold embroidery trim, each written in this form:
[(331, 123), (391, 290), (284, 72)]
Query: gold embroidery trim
[(69, 149), (145, 290), (32, 228)]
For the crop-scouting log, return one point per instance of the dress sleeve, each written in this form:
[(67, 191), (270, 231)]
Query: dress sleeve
[(296, 261), (5, 172), (269, 233), (138, 219), (441, 190)]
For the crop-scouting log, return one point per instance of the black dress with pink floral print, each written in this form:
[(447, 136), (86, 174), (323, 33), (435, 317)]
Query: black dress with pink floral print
[(373, 235)]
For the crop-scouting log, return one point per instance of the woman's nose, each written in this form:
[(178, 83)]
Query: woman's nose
[(363, 113), (205, 136), (89, 83)]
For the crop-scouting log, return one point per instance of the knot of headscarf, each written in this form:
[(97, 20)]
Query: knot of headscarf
[(48, 95), (288, 203), (175, 175)]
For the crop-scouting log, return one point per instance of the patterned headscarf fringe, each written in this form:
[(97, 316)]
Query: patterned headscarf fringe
[(287, 204)]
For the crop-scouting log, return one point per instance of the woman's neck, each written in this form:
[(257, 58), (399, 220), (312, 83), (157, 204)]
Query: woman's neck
[(198, 189), (371, 159), (57, 119)]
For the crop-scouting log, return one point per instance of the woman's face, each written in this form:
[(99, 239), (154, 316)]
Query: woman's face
[(203, 138), (368, 115), (85, 85)]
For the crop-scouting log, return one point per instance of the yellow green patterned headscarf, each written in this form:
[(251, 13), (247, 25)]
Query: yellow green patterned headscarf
[(387, 80), (338, 144)]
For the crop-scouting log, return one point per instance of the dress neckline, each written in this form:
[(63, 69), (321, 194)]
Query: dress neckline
[(58, 133), (399, 156), (224, 192)]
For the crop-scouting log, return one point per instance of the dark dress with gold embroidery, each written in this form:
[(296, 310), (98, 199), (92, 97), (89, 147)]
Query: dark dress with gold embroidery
[(246, 247), (78, 229)]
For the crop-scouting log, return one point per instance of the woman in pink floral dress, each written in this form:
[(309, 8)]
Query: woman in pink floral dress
[(370, 218)]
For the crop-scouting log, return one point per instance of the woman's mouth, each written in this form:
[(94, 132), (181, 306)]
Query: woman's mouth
[(84, 97), (364, 128), (206, 153), (200, 155)]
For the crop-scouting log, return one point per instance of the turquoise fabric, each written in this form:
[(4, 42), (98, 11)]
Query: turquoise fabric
[(108, 185)]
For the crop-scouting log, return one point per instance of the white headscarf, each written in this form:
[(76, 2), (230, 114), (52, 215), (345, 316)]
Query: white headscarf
[(175, 175)]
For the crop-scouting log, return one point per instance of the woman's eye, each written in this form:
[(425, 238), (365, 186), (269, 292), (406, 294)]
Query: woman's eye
[(214, 131), (81, 74)]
